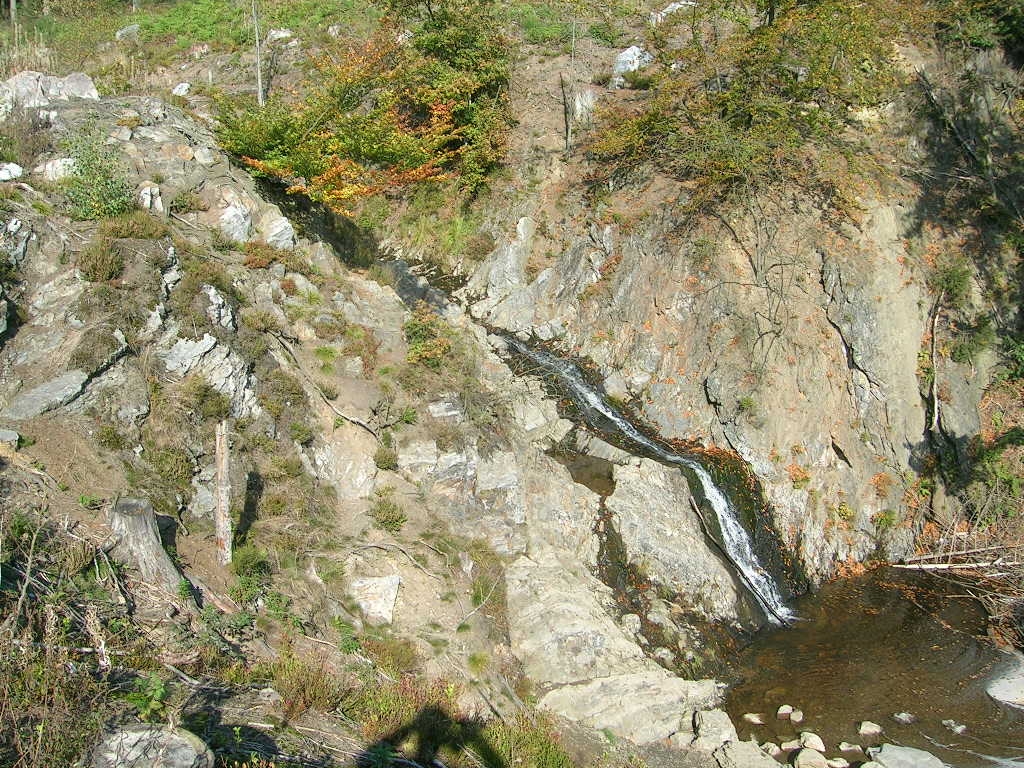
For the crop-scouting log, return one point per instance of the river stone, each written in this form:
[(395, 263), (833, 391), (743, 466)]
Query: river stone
[(376, 597), (809, 758), (891, 756), (838, 762), (869, 730), (954, 726), (1008, 685), (812, 741), (771, 748), (46, 397), (783, 712), (845, 746), (643, 707), (151, 746), (796, 716), (791, 745), (754, 718)]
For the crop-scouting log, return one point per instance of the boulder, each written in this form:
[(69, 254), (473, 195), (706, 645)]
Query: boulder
[(376, 597), (276, 230), (713, 728), (45, 397), (809, 758), (869, 730), (9, 440), (10, 171), (743, 754), (181, 89), (630, 60), (812, 741), (891, 756), (31, 90), (151, 746), (128, 34), (57, 169)]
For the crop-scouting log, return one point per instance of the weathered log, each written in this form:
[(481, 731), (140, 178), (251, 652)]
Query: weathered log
[(138, 544)]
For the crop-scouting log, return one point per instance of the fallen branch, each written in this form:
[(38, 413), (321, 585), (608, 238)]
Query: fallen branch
[(389, 547), (958, 566)]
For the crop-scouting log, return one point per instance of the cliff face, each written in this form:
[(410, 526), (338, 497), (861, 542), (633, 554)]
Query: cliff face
[(797, 334)]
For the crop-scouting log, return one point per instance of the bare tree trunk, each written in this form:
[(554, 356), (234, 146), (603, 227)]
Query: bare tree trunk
[(260, 98), (13, 5), (222, 512)]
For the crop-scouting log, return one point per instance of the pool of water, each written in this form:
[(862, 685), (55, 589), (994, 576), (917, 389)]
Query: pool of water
[(871, 646)]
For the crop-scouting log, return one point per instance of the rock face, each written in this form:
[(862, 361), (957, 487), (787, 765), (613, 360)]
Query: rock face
[(222, 368), (151, 746), (45, 397), (34, 89), (891, 756), (651, 511), (376, 598)]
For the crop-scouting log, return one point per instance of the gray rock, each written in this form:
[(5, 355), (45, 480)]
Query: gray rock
[(9, 439), (845, 746), (631, 623), (150, 198), (642, 707), (784, 711), (236, 223), (10, 171), (151, 746), (652, 513), (838, 762), (630, 60), (743, 754), (771, 749), (659, 16), (796, 716), (204, 156), (218, 309), (31, 90), (376, 597), (181, 89), (57, 169), (905, 718), (276, 230), (954, 726), (1008, 685), (753, 718), (129, 33), (869, 730), (276, 35), (222, 368), (812, 741), (891, 756), (448, 409), (46, 397), (809, 758), (713, 728)]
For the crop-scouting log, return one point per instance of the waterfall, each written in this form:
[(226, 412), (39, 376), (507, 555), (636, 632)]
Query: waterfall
[(736, 539)]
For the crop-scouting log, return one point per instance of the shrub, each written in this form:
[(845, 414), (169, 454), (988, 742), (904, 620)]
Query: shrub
[(308, 684), (428, 337), (386, 458), (387, 513), (301, 432), (138, 225), (97, 188), (99, 261), (798, 476), (187, 201)]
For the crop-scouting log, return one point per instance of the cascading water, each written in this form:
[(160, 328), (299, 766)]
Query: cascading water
[(736, 539)]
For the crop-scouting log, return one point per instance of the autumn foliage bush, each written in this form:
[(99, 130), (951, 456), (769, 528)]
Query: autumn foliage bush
[(388, 114)]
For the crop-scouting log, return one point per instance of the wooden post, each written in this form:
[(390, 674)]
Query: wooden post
[(222, 511)]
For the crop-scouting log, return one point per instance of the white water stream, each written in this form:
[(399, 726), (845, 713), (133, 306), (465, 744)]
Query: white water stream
[(735, 538)]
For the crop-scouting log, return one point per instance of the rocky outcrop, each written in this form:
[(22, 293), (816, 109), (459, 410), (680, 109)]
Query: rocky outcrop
[(31, 90), (46, 396), (151, 746), (651, 510)]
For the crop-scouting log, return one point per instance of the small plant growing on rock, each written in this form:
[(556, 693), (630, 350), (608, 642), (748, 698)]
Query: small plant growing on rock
[(137, 225), (187, 202), (387, 513), (97, 188), (99, 261), (799, 476)]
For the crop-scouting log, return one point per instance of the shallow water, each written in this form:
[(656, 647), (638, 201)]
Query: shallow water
[(871, 646)]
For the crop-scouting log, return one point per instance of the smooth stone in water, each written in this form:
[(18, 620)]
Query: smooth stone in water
[(796, 716), (754, 718), (809, 758), (845, 746), (869, 730), (784, 712), (789, 746), (812, 741), (838, 762), (954, 726), (904, 717)]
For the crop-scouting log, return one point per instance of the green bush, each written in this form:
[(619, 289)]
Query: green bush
[(97, 188), (99, 261), (387, 513)]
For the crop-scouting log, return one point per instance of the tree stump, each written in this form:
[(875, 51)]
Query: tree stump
[(138, 543)]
